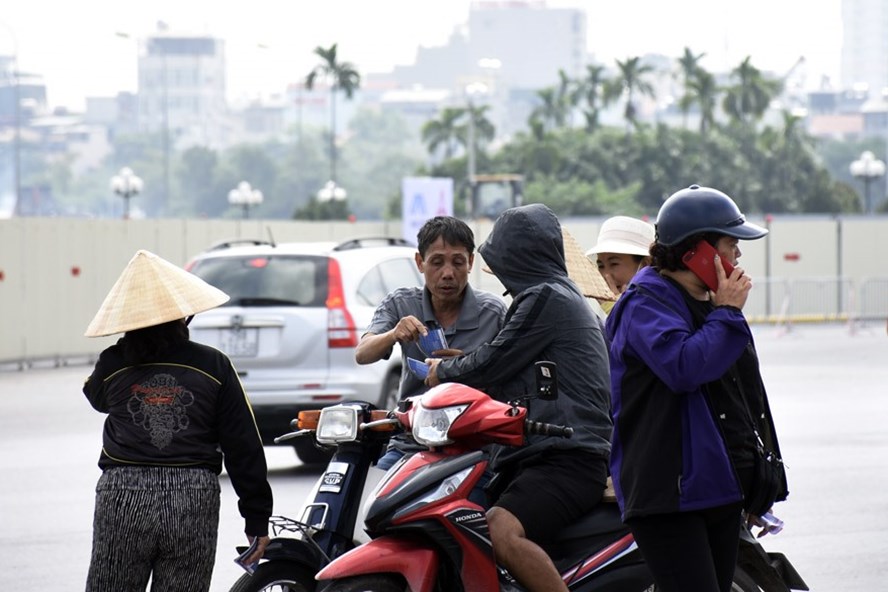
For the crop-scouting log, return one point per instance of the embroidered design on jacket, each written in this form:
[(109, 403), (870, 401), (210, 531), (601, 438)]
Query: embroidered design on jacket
[(158, 405)]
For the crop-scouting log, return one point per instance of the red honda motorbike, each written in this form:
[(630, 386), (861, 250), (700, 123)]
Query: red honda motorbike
[(428, 536)]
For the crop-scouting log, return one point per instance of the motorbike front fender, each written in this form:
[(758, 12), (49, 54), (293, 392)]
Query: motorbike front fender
[(418, 563), (294, 550)]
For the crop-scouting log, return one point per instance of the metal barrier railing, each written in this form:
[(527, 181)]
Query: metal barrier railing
[(787, 301), (873, 300)]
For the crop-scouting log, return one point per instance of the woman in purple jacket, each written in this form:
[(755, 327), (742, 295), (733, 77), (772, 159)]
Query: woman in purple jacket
[(685, 386)]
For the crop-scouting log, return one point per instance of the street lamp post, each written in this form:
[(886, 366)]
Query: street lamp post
[(331, 192), (126, 184), (868, 168), (245, 196), (155, 46)]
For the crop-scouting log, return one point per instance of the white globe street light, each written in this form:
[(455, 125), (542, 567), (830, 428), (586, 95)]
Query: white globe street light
[(331, 192), (126, 184), (245, 196), (868, 168)]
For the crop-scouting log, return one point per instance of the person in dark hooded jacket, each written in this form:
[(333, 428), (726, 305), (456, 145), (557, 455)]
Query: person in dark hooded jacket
[(686, 386), (555, 480)]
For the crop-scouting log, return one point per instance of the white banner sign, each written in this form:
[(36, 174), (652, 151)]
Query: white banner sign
[(423, 198)]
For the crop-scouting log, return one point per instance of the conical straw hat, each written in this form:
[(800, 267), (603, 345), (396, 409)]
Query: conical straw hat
[(151, 291), (583, 272)]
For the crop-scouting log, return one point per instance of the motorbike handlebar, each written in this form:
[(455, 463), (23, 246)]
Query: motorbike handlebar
[(290, 436), (547, 429)]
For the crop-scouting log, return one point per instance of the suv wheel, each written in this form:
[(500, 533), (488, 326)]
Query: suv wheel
[(310, 454)]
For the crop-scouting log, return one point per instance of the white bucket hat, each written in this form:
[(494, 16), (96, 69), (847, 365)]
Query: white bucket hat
[(583, 272), (149, 292), (622, 234)]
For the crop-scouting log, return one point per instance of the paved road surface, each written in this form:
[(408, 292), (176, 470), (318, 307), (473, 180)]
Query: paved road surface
[(828, 389)]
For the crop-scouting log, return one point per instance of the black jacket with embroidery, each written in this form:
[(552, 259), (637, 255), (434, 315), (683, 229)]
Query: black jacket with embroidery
[(187, 411)]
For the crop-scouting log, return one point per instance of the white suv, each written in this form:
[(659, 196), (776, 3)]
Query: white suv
[(296, 313)]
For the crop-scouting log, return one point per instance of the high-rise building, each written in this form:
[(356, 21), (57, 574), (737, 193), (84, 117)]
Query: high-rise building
[(865, 45), (528, 41), (182, 88)]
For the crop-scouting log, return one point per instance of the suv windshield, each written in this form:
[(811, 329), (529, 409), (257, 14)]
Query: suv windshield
[(262, 280)]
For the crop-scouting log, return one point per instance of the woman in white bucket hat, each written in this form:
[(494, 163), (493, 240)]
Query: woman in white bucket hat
[(623, 248), (176, 410)]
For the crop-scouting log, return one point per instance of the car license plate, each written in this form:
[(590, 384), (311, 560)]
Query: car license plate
[(242, 343)]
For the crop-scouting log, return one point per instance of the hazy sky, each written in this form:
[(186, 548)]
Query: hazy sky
[(74, 45)]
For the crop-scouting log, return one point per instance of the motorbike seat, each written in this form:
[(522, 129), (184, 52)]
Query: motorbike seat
[(593, 531)]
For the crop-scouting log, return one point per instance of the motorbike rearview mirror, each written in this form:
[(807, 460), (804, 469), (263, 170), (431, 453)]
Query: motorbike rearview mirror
[(546, 381), (404, 405)]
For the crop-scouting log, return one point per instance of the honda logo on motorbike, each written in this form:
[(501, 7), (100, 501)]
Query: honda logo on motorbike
[(464, 517)]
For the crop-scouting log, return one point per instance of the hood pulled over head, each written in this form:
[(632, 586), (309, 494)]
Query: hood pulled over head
[(526, 247)]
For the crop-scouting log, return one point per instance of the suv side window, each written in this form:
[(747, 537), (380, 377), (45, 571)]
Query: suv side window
[(386, 277)]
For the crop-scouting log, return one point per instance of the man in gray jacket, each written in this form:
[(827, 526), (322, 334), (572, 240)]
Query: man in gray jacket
[(555, 480)]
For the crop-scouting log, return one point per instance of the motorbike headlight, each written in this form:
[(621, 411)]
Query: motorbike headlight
[(338, 423), (430, 426)]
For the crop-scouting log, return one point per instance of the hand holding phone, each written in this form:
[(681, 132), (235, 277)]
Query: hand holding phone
[(701, 260)]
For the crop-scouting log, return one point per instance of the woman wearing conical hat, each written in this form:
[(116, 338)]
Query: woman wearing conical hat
[(176, 411)]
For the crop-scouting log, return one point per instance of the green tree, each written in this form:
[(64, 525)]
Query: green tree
[(631, 79), (749, 97), (299, 180), (443, 131), (551, 112), (702, 90), (591, 90), (380, 153), (689, 64), (253, 164), (195, 175), (323, 210), (143, 154), (340, 76), (478, 126)]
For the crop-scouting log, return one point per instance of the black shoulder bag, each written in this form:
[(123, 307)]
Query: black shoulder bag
[(767, 476)]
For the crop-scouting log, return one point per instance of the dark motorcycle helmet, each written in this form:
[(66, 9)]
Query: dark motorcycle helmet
[(702, 209)]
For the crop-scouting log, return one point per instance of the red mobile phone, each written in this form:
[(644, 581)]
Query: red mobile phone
[(700, 261)]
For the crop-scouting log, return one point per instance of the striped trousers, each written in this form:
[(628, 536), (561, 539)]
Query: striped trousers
[(157, 523)]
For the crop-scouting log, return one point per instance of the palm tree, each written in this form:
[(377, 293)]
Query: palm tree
[(340, 76), (703, 90), (552, 109), (483, 131), (568, 95), (689, 64), (630, 81), (750, 97), (443, 131), (592, 90)]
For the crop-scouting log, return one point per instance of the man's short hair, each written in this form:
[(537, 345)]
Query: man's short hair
[(453, 230)]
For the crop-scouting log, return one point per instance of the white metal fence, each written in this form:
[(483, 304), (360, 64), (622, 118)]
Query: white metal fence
[(54, 272), (787, 301)]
